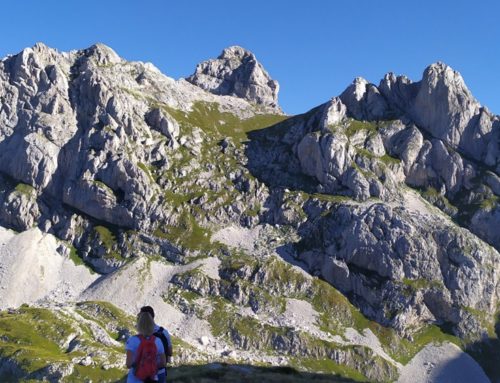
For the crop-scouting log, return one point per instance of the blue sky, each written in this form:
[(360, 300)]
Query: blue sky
[(313, 48)]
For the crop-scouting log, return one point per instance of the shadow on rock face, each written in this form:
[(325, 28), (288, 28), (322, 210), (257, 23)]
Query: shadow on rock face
[(271, 158), (487, 354)]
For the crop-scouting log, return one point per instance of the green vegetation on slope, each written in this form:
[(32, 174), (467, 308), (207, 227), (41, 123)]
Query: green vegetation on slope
[(227, 373), (25, 189), (108, 240), (219, 125), (36, 338)]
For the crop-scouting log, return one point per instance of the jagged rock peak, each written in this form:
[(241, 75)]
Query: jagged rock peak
[(236, 72), (441, 71), (41, 47), (440, 80), (445, 107), (103, 54), (364, 101), (37, 51), (440, 103), (236, 52)]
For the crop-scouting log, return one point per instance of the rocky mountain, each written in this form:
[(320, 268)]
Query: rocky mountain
[(350, 240)]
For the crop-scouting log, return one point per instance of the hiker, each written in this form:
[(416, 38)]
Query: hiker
[(145, 352), (164, 335)]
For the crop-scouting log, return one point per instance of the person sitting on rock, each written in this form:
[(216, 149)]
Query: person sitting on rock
[(164, 335), (145, 352)]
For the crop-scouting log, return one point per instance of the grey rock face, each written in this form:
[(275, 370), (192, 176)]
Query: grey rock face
[(364, 101), (406, 145), (91, 132), (444, 105), (36, 79), (446, 108), (20, 209), (485, 223), (493, 181), (399, 91), (334, 112), (395, 259), (325, 158), (236, 72), (166, 125), (97, 200)]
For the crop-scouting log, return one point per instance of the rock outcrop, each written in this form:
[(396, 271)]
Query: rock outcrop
[(404, 266), (236, 72)]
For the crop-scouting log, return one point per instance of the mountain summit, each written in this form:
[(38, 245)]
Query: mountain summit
[(236, 72)]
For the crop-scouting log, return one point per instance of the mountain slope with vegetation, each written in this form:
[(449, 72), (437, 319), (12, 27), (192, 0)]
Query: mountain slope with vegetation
[(346, 240)]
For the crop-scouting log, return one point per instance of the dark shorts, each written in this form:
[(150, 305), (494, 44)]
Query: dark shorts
[(162, 376)]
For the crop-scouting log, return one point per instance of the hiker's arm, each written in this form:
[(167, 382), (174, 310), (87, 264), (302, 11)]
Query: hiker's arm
[(130, 359), (163, 361), (169, 350)]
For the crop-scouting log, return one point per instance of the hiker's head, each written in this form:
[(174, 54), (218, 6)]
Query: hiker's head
[(148, 309), (145, 324)]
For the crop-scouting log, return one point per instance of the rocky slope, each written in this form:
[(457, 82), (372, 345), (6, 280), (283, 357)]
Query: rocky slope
[(348, 237)]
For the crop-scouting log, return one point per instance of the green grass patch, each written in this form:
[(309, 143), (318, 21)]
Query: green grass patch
[(107, 316), (336, 312), (106, 236), (328, 198), (95, 374), (355, 126), (148, 170), (490, 203), (389, 160), (282, 280), (328, 366), (73, 255), (32, 337), (219, 125), (103, 186), (365, 153), (25, 189), (422, 283), (254, 211), (190, 235), (108, 240), (229, 373)]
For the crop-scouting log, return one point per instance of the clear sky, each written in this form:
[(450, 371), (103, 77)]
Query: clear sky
[(313, 48)]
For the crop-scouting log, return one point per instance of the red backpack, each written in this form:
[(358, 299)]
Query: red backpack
[(146, 360)]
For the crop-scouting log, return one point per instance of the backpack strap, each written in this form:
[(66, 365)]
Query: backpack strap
[(160, 334)]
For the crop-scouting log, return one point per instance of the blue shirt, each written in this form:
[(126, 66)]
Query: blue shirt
[(132, 345)]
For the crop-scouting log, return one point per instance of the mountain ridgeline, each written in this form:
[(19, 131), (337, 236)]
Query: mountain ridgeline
[(348, 237)]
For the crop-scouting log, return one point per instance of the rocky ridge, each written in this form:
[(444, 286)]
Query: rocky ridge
[(202, 192)]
